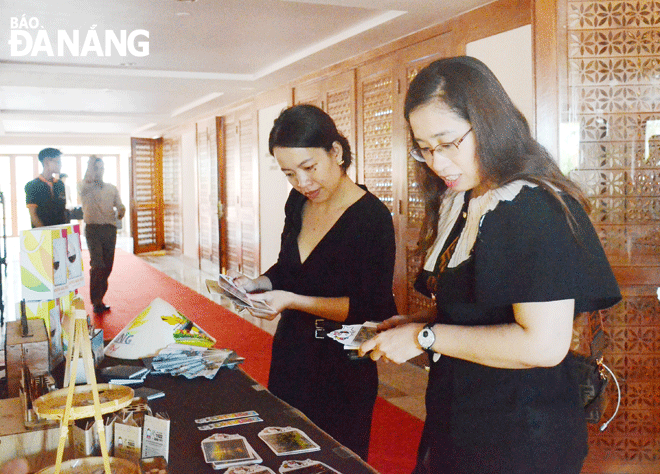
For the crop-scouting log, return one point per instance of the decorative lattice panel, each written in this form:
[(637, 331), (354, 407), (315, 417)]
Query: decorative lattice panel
[(613, 97), (416, 301), (378, 104), (340, 108)]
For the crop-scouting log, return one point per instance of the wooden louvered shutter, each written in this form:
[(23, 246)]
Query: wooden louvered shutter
[(232, 176), (172, 219), (249, 202), (207, 164), (147, 194), (242, 205)]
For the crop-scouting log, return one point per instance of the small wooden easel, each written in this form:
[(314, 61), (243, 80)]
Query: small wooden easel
[(78, 404)]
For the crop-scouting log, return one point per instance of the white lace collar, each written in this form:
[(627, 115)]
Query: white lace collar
[(450, 210)]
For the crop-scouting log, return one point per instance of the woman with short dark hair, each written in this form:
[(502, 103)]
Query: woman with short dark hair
[(335, 267)]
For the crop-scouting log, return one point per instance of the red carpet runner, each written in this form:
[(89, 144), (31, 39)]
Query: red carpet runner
[(134, 284)]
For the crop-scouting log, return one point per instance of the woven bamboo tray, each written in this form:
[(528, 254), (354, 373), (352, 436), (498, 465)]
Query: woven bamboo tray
[(112, 397), (94, 465)]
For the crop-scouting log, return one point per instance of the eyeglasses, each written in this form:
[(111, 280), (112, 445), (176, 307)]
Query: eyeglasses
[(448, 150)]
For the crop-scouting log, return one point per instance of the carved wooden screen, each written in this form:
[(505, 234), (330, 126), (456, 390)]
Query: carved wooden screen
[(172, 221), (610, 112), (413, 60), (377, 95), (335, 95), (146, 194), (207, 181)]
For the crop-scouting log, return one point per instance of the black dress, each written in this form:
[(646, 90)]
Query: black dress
[(355, 259), (488, 420)]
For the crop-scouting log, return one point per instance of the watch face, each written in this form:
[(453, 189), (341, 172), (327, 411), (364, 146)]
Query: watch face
[(426, 338)]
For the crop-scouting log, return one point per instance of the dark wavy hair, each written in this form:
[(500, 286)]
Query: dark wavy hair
[(506, 150), (307, 126), (48, 153)]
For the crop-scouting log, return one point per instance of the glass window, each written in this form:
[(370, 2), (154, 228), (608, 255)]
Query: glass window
[(70, 167), (110, 174)]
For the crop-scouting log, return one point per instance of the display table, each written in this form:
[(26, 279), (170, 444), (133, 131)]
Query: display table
[(234, 391)]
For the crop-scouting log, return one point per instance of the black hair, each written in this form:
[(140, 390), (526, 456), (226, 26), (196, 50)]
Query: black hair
[(48, 153), (307, 126), (506, 150)]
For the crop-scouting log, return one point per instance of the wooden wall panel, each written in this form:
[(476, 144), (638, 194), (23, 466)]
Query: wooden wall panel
[(607, 62)]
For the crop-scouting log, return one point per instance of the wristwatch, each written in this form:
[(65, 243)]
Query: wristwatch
[(426, 338)]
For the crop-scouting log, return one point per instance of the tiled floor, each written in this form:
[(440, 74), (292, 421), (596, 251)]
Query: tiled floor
[(402, 385)]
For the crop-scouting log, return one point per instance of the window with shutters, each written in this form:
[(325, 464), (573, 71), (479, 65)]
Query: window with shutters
[(172, 220), (147, 194)]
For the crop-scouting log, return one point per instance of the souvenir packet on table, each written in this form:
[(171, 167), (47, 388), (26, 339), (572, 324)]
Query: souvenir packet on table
[(148, 393), (86, 437), (287, 440), (190, 361), (128, 430), (308, 466), (156, 436)]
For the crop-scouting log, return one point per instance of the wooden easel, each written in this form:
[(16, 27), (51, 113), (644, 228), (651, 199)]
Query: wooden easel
[(49, 406)]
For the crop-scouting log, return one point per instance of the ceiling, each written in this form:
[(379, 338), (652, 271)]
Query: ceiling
[(142, 67)]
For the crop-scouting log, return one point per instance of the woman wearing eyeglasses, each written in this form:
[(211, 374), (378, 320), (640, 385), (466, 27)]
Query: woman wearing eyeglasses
[(511, 258)]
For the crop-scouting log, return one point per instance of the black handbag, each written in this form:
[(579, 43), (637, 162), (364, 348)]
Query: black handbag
[(593, 376)]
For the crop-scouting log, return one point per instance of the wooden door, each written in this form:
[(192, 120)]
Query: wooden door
[(207, 185), (222, 192), (242, 203), (147, 194), (172, 218)]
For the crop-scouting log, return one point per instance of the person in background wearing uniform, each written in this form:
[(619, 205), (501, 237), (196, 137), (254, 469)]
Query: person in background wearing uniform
[(511, 259), (101, 208), (45, 195)]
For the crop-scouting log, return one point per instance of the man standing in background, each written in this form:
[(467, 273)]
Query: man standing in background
[(101, 208), (45, 195)]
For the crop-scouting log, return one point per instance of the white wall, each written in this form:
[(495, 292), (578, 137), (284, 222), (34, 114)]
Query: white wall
[(509, 56), (273, 191), (189, 193)]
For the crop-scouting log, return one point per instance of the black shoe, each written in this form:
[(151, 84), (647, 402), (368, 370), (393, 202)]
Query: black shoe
[(101, 309)]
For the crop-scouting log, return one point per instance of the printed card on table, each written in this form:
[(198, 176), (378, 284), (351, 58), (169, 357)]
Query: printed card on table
[(308, 466), (288, 440)]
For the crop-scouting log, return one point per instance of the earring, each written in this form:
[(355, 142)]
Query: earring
[(340, 160)]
